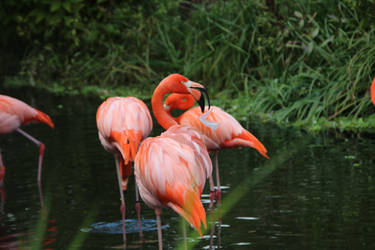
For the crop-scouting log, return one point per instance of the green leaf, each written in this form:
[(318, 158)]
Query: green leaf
[(55, 5), (315, 32), (298, 14), (67, 6)]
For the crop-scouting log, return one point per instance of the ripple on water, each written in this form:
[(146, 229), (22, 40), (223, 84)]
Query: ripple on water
[(247, 218), (131, 226)]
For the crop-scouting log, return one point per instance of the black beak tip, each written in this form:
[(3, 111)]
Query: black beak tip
[(201, 100)]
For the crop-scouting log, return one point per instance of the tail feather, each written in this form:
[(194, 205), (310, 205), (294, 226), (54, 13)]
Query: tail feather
[(246, 139), (257, 144), (42, 117), (190, 207)]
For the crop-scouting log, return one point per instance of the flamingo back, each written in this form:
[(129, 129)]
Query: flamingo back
[(229, 132), (122, 124)]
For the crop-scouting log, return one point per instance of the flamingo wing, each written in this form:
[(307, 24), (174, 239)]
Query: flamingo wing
[(169, 173), (229, 132)]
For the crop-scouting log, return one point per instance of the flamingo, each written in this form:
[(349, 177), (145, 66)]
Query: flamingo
[(123, 122), (13, 114), (171, 169), (228, 134), (373, 91)]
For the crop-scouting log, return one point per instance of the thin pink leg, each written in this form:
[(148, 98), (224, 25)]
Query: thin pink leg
[(219, 233), (2, 170), (1, 160), (212, 233), (218, 191), (41, 151), (138, 209), (158, 220), (123, 208), (212, 192)]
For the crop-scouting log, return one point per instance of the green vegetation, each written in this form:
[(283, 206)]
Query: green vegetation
[(302, 63)]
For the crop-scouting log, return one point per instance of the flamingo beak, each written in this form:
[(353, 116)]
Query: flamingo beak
[(201, 100), (197, 90)]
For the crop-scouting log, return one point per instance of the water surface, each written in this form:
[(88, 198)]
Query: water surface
[(316, 191)]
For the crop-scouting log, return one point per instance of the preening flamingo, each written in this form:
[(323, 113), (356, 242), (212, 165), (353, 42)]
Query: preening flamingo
[(123, 122), (373, 91), (13, 114), (228, 134), (171, 169)]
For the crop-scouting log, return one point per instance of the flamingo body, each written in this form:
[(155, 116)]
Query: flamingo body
[(123, 122), (228, 134), (14, 113), (171, 170)]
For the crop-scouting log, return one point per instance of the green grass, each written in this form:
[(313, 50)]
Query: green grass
[(303, 63)]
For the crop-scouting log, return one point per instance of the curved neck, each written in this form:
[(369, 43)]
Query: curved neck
[(164, 119)]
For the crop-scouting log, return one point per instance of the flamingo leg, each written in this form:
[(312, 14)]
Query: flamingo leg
[(212, 233), (158, 220), (212, 192), (41, 151), (219, 233), (2, 170), (138, 209), (123, 208), (1, 161), (218, 191)]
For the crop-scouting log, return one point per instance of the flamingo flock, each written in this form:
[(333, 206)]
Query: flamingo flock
[(170, 169)]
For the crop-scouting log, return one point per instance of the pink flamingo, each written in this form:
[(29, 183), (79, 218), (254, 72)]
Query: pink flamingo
[(123, 122), (171, 169), (224, 132), (13, 114), (373, 91)]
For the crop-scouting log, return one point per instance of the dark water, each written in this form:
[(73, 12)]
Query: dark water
[(316, 191)]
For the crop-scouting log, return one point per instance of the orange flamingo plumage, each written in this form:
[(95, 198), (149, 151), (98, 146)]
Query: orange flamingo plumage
[(373, 91), (171, 169), (15, 113), (228, 134), (123, 122)]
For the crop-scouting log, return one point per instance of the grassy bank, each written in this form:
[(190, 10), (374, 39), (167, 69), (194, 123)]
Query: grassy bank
[(299, 63)]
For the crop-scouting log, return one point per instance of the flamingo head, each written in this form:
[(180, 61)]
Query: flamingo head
[(179, 101), (180, 84)]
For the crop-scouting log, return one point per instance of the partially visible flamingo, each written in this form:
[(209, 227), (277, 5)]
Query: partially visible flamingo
[(373, 91), (228, 134), (13, 114), (171, 169), (123, 122)]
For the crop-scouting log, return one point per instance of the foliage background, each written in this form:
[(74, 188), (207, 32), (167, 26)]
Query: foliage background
[(302, 63)]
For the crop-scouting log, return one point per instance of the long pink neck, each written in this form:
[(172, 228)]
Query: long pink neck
[(164, 119)]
